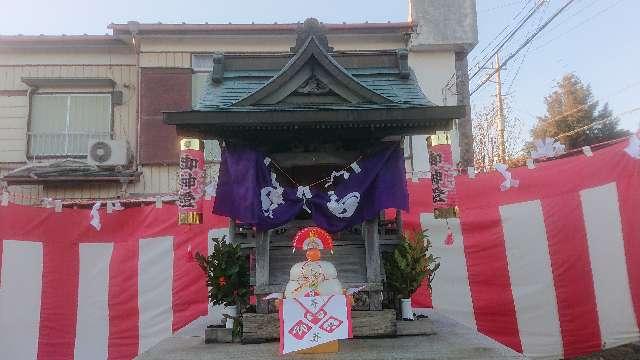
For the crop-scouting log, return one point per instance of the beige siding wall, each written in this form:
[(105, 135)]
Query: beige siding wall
[(166, 59)]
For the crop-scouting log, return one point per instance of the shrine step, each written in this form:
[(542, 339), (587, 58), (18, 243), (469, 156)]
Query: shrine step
[(260, 328)]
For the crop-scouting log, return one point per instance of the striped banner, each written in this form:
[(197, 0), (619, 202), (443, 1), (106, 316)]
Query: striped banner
[(549, 269), (68, 291)]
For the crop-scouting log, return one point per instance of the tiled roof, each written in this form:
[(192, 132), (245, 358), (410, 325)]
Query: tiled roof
[(238, 84)]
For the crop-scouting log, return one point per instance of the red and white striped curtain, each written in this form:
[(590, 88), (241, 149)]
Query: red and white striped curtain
[(550, 268)]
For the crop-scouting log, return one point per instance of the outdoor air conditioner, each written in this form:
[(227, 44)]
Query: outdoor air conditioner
[(107, 153)]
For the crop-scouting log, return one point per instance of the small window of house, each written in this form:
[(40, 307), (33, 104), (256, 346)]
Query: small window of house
[(202, 62), (63, 124)]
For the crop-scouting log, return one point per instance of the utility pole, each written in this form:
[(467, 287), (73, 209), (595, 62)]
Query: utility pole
[(502, 153)]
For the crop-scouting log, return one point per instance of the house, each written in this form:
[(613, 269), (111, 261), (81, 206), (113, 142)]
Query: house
[(58, 94)]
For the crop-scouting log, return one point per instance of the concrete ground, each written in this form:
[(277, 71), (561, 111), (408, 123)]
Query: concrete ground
[(451, 341)]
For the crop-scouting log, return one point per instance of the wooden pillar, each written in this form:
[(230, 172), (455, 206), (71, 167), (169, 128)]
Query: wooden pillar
[(232, 231), (262, 270), (372, 248)]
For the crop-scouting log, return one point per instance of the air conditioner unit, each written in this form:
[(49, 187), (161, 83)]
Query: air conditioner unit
[(108, 153)]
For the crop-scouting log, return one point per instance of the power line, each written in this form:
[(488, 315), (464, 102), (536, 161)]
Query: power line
[(580, 24), (526, 42), (486, 47), (507, 39), (612, 117), (524, 57), (592, 102)]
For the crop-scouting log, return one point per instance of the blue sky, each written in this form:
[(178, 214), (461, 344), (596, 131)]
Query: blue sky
[(596, 39)]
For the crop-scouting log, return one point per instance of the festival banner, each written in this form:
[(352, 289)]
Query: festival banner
[(191, 181)]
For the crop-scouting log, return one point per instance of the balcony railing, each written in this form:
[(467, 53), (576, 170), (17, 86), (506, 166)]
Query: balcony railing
[(60, 144)]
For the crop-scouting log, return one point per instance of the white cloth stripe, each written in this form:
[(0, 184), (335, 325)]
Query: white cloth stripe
[(92, 329), (155, 285), (451, 294), (532, 284), (606, 251), (20, 294)]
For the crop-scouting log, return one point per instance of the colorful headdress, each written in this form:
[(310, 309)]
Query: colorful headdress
[(312, 238)]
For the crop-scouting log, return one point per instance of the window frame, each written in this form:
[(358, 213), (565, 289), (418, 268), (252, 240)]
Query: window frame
[(201, 69), (68, 94)]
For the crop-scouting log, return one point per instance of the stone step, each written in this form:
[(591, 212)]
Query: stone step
[(259, 328)]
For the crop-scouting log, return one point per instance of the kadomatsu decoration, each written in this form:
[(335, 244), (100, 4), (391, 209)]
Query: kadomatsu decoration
[(227, 272), (409, 264)]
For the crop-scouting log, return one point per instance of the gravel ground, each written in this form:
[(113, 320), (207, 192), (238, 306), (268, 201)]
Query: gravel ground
[(624, 352)]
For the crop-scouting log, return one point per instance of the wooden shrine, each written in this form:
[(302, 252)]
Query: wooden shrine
[(315, 110)]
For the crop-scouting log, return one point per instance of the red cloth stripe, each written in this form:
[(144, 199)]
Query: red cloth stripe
[(629, 199), (572, 277), (189, 294), (488, 273), (123, 301), (59, 301)]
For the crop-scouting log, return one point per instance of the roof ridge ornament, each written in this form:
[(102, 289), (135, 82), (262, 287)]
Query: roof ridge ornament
[(312, 28)]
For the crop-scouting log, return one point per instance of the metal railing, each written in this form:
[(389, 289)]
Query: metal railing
[(59, 144)]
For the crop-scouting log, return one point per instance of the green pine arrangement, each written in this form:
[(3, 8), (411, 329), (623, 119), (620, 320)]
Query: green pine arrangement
[(227, 272), (409, 264)]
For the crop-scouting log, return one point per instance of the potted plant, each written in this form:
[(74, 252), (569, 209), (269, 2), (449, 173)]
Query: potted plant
[(407, 266), (227, 272)]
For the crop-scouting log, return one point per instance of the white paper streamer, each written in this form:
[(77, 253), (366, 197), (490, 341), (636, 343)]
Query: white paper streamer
[(335, 174), (356, 167), (95, 216), (530, 164), (58, 206), (508, 182), (5, 199), (48, 203), (547, 148), (210, 190), (304, 193), (353, 290), (267, 161), (587, 151), (633, 149), (113, 206), (471, 172), (158, 202), (273, 296)]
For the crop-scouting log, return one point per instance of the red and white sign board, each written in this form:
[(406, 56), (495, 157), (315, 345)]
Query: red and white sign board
[(306, 322)]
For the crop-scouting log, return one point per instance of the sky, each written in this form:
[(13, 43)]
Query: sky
[(598, 40)]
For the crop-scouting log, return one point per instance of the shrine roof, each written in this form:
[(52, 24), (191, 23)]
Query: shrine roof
[(373, 93), (238, 84)]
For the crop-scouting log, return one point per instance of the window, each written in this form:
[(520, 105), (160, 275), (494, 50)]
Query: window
[(202, 62), (63, 124)]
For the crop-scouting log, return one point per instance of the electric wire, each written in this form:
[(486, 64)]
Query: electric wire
[(524, 44)]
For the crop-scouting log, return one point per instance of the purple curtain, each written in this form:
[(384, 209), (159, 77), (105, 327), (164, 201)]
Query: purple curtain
[(249, 191)]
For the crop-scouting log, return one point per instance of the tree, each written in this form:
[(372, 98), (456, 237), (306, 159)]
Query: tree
[(485, 136), (574, 118)]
